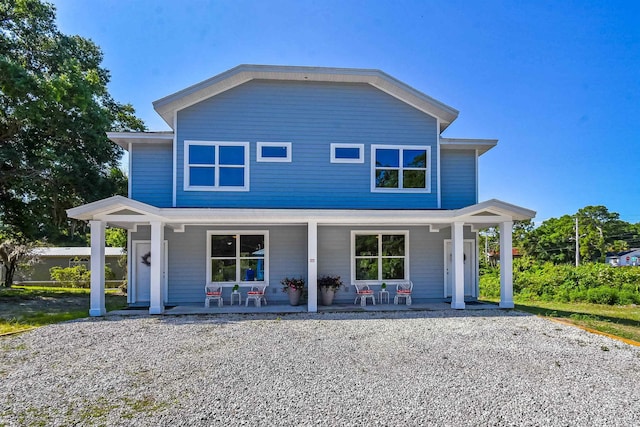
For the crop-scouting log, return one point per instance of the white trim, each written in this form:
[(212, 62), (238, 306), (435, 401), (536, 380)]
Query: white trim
[(237, 233), (129, 267), (216, 166), (130, 177), (312, 266), (131, 273), (475, 291), (482, 145), (477, 178), (380, 233), (400, 169), (438, 174), (175, 161), (335, 145), (437, 218), (261, 158)]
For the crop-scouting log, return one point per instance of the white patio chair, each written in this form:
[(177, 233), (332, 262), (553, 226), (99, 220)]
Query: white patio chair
[(257, 294), (403, 290), (364, 292), (213, 292)]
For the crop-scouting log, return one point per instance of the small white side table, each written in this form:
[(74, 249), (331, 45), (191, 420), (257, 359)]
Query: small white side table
[(234, 294), (382, 295)]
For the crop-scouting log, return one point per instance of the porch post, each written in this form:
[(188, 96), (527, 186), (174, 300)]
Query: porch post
[(97, 307), (506, 264), (157, 258), (312, 269), (457, 250)]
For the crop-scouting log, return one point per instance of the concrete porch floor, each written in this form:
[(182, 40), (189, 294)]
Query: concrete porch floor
[(286, 308)]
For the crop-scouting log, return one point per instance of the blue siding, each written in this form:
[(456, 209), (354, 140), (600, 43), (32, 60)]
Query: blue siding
[(151, 174), (311, 116), (458, 175), (288, 257)]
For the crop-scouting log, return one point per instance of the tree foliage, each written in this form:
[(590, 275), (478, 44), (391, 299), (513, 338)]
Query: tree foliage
[(599, 232), (54, 112)]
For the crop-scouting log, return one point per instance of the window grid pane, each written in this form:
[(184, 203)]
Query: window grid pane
[(386, 262)]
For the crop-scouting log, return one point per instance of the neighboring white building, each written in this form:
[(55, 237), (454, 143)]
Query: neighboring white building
[(66, 257), (629, 257)]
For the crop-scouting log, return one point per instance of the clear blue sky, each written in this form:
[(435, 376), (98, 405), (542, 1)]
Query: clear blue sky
[(556, 82)]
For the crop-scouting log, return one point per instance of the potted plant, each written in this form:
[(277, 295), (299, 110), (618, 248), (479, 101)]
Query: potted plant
[(328, 286), (293, 287)]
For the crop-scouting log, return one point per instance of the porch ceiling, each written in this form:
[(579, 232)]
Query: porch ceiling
[(126, 213)]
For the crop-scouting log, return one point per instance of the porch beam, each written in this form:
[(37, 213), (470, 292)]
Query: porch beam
[(457, 250), (97, 304), (156, 296), (506, 264), (312, 268)]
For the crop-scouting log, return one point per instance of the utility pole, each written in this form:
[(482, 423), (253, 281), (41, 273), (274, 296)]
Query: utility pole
[(577, 244)]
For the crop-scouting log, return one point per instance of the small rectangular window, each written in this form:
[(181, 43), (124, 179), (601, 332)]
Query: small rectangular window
[(347, 153), (274, 152)]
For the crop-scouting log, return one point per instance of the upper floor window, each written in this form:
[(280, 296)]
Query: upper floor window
[(347, 153), (273, 152), (400, 168), (216, 166)]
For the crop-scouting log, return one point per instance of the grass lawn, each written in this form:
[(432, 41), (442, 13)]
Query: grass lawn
[(622, 321), (26, 307)]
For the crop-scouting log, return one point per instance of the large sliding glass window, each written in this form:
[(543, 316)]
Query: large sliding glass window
[(216, 166), (238, 257), (380, 256)]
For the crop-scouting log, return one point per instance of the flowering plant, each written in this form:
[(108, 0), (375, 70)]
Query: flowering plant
[(332, 282), (293, 283)]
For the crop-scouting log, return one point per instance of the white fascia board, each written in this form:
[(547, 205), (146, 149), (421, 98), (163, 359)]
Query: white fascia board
[(243, 73), (481, 145), (105, 210), (124, 139), (500, 208), (110, 205)]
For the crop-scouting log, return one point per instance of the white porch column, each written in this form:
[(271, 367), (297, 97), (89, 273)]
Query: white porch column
[(506, 264), (97, 307), (312, 269), (457, 251), (157, 258)]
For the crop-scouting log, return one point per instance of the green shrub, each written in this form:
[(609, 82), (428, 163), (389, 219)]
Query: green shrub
[(602, 295), (590, 282), (76, 277)]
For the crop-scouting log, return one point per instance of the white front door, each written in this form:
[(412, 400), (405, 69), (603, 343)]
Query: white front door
[(469, 268), (141, 271)]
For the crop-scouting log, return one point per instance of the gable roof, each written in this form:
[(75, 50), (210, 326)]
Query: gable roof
[(168, 105)]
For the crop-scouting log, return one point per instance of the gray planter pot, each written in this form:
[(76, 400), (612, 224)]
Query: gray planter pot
[(327, 294), (294, 296)]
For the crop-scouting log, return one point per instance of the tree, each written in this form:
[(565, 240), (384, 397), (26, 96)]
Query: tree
[(12, 253), (598, 231), (54, 112)]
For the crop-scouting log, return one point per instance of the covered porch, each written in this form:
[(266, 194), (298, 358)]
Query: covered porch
[(122, 212)]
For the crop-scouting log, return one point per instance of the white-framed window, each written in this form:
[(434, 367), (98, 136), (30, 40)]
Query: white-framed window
[(400, 168), (273, 152), (238, 256), (378, 256), (347, 153), (216, 166)]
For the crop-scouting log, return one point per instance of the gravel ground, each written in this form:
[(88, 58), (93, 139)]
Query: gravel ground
[(412, 368)]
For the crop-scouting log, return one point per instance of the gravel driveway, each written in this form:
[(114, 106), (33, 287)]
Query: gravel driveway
[(411, 368)]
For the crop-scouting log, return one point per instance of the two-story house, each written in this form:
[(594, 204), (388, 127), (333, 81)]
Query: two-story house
[(281, 171)]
